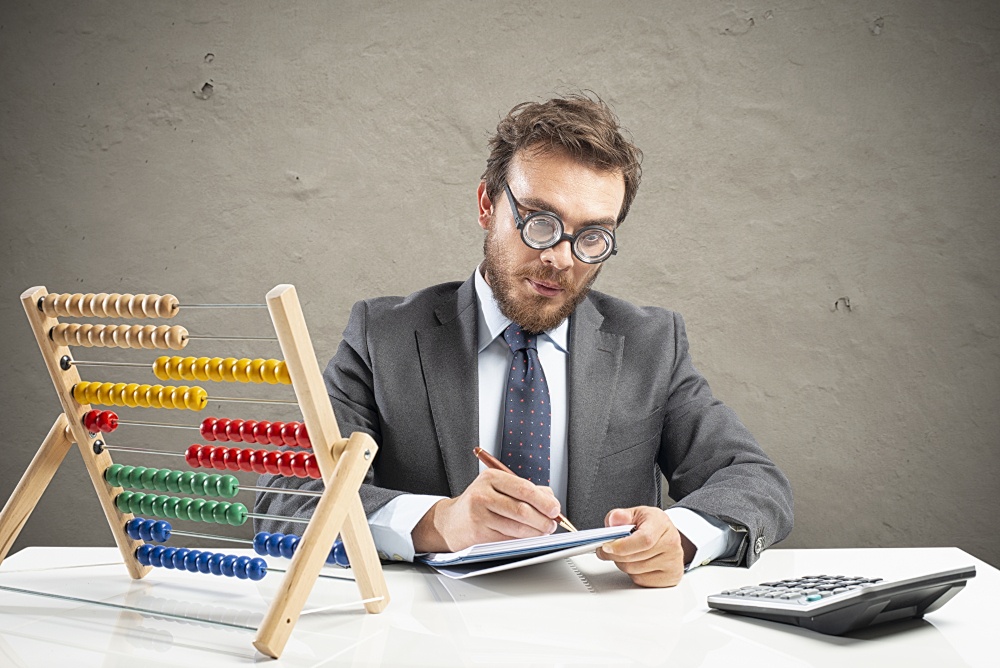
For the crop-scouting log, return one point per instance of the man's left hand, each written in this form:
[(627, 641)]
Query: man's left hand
[(654, 554)]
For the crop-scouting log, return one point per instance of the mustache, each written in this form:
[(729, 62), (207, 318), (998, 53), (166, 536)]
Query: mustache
[(546, 275)]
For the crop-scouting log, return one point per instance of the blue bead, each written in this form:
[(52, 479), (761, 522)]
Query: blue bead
[(272, 544), (215, 563), (144, 530), (142, 554), (229, 565), (259, 542), (161, 531), (156, 556), (339, 553), (132, 528), (288, 545), (257, 569), (203, 565), (167, 557), (179, 557), (241, 567), (191, 561)]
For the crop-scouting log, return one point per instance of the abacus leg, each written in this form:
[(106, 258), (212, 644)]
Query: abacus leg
[(327, 521), (364, 557), (33, 483)]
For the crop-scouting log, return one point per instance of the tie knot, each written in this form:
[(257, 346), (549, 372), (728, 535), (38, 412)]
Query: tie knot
[(518, 339)]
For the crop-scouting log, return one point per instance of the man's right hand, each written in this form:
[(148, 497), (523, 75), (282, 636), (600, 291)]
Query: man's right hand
[(496, 506)]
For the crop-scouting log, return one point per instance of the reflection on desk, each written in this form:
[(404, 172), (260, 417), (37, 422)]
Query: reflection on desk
[(574, 612)]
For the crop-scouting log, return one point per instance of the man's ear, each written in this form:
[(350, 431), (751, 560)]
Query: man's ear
[(485, 206)]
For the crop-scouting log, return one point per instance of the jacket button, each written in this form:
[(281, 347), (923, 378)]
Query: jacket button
[(758, 545)]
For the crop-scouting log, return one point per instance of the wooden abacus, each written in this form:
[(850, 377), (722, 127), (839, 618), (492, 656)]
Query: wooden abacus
[(341, 462)]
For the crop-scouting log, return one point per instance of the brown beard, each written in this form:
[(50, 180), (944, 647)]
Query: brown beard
[(530, 313)]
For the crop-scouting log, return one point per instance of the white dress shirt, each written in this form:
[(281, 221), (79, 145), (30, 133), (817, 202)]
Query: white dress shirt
[(392, 524)]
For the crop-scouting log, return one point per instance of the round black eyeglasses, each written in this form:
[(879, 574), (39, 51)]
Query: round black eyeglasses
[(592, 244)]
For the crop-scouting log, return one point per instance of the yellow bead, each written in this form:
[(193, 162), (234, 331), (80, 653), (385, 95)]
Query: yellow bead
[(80, 392), (178, 395), (185, 369), (215, 369), (201, 368), (104, 393), (281, 372), (228, 369), (267, 371), (240, 370), (160, 367), (129, 395)]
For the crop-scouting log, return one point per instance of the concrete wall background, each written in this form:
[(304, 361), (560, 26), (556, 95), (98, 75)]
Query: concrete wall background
[(799, 156)]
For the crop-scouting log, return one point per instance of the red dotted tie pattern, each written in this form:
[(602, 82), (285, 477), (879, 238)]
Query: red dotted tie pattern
[(526, 425)]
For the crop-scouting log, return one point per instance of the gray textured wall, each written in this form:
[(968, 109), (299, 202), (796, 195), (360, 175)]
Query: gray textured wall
[(799, 156)]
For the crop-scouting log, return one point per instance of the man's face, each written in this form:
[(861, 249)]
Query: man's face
[(538, 289)]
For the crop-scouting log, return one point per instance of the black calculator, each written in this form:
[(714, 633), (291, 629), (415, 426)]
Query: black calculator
[(838, 604)]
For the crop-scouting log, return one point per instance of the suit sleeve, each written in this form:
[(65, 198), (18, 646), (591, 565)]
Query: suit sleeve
[(713, 464), (354, 404)]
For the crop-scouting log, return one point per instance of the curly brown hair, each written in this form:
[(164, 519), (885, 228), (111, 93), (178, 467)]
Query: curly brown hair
[(585, 128)]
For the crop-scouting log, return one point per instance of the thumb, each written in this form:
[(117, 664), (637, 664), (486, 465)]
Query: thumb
[(618, 517)]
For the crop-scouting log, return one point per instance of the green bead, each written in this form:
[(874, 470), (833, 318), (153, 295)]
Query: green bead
[(160, 480), (146, 479), (236, 514), (135, 477), (173, 481), (229, 485), (208, 511), (133, 503), (182, 509), (111, 474), (170, 507), (158, 503), (146, 503), (198, 484), (122, 501), (211, 485), (125, 476), (185, 482), (194, 510), (219, 512)]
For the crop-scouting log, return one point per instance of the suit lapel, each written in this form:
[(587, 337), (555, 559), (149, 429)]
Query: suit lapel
[(595, 359), (450, 366)]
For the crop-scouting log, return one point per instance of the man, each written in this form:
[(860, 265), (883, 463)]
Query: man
[(585, 396)]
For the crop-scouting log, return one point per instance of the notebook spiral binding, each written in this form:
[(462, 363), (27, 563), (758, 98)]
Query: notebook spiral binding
[(583, 578)]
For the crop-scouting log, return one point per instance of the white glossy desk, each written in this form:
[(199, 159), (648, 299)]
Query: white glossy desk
[(543, 615)]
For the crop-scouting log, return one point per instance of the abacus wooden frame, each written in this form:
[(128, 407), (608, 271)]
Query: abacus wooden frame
[(342, 462)]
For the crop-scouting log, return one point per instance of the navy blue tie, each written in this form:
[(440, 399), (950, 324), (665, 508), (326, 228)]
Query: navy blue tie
[(526, 429)]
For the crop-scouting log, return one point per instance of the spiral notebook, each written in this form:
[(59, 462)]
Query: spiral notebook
[(507, 554)]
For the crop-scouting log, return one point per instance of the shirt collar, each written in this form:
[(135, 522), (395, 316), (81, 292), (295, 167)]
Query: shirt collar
[(492, 322)]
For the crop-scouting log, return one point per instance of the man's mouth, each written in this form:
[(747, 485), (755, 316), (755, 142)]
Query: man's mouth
[(545, 288)]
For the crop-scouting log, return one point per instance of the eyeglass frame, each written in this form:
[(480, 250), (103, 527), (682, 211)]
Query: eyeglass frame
[(571, 238)]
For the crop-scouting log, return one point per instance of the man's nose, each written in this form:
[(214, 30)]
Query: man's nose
[(559, 256)]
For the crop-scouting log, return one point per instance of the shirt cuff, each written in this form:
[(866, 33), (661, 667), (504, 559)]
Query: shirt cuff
[(709, 535), (392, 524)]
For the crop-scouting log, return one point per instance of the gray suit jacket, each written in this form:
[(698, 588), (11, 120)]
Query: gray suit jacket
[(406, 373)]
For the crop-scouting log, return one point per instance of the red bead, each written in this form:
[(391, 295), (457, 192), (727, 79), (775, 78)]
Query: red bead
[(220, 429), (271, 461), (207, 428), (218, 458), (233, 430), (243, 459), (107, 420), (229, 459), (191, 456), (288, 433), (312, 467), (297, 462), (274, 433), (257, 461), (302, 436), (285, 464), (260, 432), (90, 421), (246, 431), (205, 456)]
